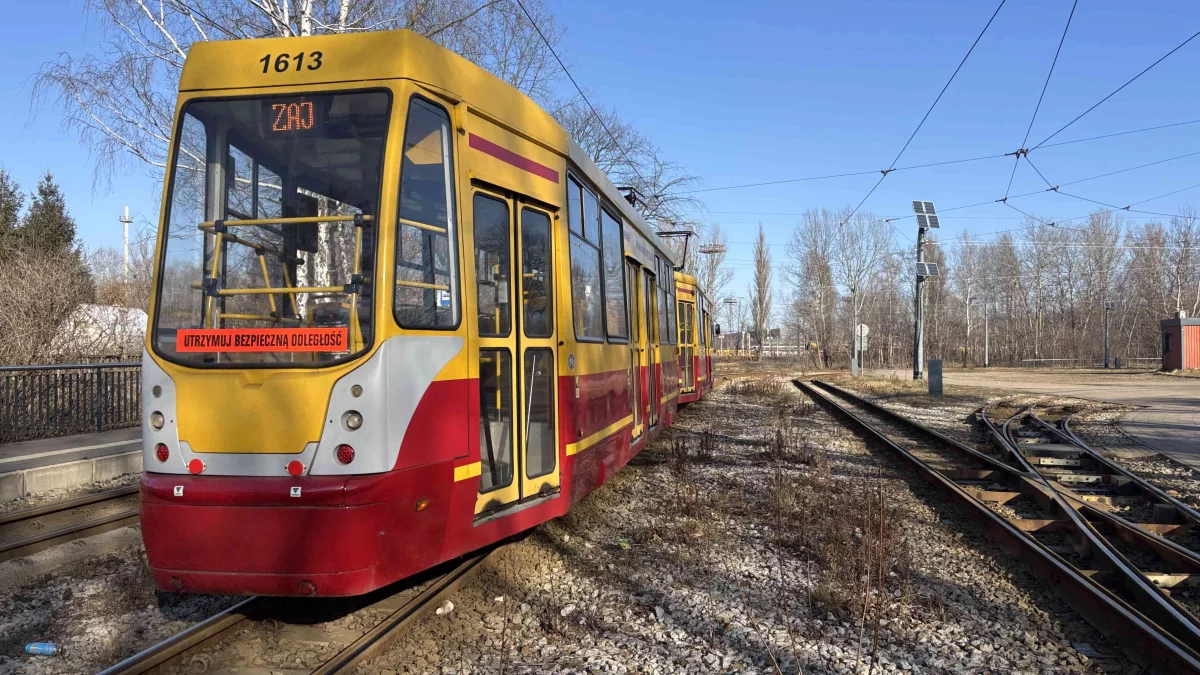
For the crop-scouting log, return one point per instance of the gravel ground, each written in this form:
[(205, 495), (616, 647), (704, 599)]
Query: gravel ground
[(1100, 429), (99, 609), (742, 540), (734, 544), (62, 494)]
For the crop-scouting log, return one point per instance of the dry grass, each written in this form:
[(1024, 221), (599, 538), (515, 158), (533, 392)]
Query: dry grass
[(761, 389), (849, 530)]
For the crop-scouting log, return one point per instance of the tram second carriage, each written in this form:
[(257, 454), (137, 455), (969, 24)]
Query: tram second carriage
[(398, 316)]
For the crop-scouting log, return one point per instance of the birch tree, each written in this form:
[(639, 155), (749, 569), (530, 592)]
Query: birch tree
[(121, 101), (861, 245)]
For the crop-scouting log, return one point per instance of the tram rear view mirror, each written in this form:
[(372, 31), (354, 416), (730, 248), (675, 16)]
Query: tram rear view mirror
[(717, 328)]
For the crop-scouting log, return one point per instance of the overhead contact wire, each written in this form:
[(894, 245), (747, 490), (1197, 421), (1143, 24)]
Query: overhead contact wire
[(892, 166), (1118, 89), (613, 138), (1021, 150)]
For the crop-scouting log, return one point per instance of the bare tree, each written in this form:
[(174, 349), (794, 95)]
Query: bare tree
[(963, 275), (809, 272), (711, 271), (760, 293), (41, 291), (116, 288), (121, 102), (862, 244)]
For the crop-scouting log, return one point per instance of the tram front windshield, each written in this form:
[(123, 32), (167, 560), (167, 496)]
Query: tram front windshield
[(269, 250)]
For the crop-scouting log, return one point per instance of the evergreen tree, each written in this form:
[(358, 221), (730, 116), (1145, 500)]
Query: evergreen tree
[(47, 227), (11, 201)]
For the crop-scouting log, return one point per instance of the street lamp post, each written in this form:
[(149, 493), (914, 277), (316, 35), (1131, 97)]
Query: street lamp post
[(986, 362), (1107, 309), (731, 303)]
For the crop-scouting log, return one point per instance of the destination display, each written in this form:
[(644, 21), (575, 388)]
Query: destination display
[(294, 117), (262, 340)]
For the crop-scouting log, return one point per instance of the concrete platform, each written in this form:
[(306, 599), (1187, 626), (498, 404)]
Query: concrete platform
[(49, 464)]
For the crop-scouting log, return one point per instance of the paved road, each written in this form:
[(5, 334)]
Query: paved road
[(31, 454), (1168, 419)]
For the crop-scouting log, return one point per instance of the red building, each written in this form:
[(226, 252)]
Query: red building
[(1180, 343)]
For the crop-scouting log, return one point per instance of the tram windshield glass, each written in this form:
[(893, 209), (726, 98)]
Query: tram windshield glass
[(269, 253)]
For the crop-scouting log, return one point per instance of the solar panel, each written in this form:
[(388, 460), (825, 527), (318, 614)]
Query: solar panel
[(932, 269), (918, 207), (921, 270), (933, 221), (929, 209), (922, 221)]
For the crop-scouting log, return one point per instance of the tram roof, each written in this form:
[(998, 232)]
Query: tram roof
[(400, 54)]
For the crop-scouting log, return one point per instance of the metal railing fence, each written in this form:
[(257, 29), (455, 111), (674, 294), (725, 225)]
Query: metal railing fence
[(59, 400)]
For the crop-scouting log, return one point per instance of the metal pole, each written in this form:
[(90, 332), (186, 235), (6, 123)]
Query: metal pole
[(918, 313), (126, 220), (1107, 307), (986, 362)]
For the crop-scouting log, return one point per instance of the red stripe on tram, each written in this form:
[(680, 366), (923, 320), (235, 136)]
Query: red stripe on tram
[(509, 157)]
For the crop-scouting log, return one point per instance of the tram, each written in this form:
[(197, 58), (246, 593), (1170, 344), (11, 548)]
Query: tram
[(398, 316), (695, 339)]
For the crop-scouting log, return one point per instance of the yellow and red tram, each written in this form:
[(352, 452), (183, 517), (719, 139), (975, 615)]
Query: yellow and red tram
[(398, 315), (695, 339)]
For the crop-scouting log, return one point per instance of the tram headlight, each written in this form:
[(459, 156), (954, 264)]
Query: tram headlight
[(157, 420), (352, 420)]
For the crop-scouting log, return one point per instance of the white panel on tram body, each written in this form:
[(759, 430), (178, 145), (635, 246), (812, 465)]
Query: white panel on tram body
[(393, 382), (152, 376)]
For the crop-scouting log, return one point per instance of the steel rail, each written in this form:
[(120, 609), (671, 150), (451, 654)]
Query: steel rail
[(27, 544), (1143, 533), (374, 641), (185, 641), (1066, 433), (34, 512), (369, 645), (1112, 615), (1149, 598)]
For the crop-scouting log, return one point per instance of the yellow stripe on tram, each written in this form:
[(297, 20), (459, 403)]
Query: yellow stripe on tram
[(599, 436), (466, 471)]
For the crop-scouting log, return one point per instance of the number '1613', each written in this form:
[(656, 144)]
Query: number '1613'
[(286, 62)]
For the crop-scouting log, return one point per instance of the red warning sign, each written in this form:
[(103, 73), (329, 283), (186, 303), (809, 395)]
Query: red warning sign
[(262, 340)]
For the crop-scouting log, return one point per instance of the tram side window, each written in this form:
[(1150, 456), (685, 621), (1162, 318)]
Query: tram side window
[(492, 265), (495, 419), (587, 295), (614, 282), (426, 231), (575, 206), (664, 323)]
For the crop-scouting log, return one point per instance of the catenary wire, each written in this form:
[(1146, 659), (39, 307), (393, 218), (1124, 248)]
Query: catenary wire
[(1021, 150), (927, 113), (553, 52), (1118, 89)]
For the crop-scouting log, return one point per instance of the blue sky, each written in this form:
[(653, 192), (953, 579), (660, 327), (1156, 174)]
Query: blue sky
[(778, 90)]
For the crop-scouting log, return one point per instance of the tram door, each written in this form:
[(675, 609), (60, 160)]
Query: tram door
[(514, 282), (637, 349), (649, 328)]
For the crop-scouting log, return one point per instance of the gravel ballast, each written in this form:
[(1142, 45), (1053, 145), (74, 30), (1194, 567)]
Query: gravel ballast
[(746, 539), (686, 566)]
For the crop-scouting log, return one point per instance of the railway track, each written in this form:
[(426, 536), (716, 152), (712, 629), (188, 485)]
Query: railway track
[(1107, 567), (403, 609), (32, 530)]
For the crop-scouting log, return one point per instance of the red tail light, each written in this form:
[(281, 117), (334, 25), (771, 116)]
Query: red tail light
[(295, 467), (196, 466), (345, 454), (162, 452)]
